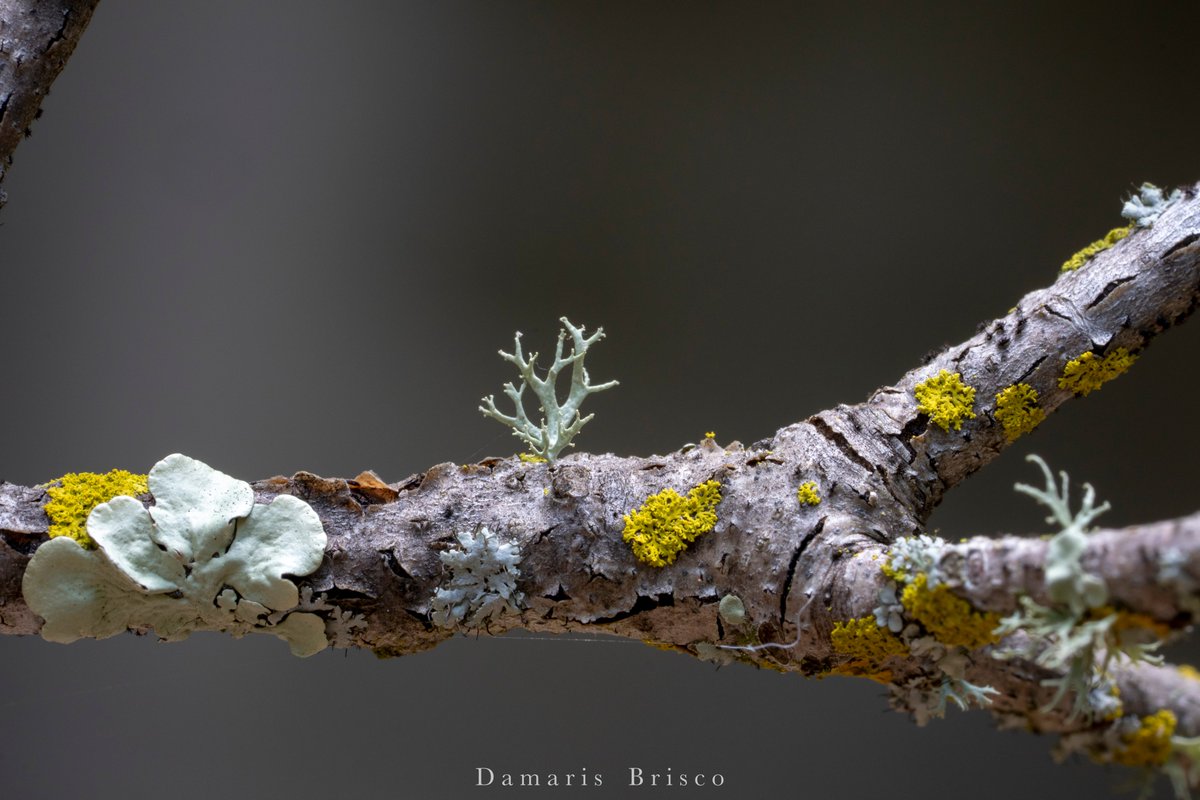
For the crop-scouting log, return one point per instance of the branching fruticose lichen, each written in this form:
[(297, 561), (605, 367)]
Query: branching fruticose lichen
[(74, 495), (667, 523), (945, 399), (1071, 635), (483, 581), (203, 557), (560, 422)]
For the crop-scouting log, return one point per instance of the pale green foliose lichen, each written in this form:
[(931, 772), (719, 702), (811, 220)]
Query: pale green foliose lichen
[(203, 557), (732, 609)]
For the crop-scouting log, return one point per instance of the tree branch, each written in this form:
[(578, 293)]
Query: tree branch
[(36, 39), (802, 571)]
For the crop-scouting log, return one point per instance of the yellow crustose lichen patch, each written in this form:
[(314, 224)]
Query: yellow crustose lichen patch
[(1083, 256), (948, 618), (946, 400), (1017, 410), (667, 523), (74, 495), (868, 645), (1088, 372), (807, 494), (1150, 744), (1188, 671)]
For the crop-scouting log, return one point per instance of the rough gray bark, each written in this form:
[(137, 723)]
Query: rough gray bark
[(881, 468), (36, 39)]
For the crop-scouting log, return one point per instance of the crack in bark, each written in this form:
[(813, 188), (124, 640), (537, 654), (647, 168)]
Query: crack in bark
[(642, 604), (1108, 289), (839, 440), (791, 571)]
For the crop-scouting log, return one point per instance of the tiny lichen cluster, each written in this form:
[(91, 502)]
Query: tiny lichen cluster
[(807, 494), (942, 630), (1150, 745), (1017, 410), (562, 421), (483, 581), (1088, 372), (666, 523), (946, 400), (1143, 209), (74, 495)]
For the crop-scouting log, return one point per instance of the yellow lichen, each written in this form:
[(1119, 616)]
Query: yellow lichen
[(807, 494), (948, 618), (710, 435), (865, 641), (1150, 744), (1017, 410), (1130, 623), (1083, 256), (667, 523), (74, 495), (1188, 671), (1085, 374), (530, 458), (945, 399), (861, 669)]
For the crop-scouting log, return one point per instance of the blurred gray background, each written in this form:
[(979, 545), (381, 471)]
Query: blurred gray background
[(284, 236)]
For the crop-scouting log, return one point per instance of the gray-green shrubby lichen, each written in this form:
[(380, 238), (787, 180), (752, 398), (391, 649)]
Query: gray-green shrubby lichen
[(203, 557), (926, 696), (483, 581), (1069, 636), (562, 421)]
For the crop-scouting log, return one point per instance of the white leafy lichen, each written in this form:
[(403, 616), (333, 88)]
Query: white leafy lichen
[(483, 582), (560, 422), (203, 557)]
